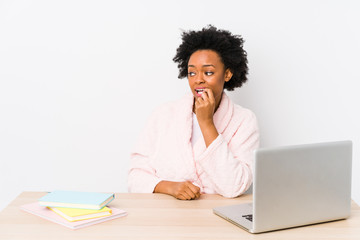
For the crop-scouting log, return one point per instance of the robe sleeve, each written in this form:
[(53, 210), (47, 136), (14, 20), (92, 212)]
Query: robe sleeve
[(142, 175), (227, 165)]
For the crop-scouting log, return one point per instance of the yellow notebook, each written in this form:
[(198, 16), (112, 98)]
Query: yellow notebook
[(77, 214)]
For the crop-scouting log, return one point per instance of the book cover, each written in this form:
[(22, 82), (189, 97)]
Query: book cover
[(75, 199), (46, 213), (77, 214)]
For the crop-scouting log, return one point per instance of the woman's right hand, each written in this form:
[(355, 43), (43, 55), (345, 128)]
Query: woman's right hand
[(180, 190)]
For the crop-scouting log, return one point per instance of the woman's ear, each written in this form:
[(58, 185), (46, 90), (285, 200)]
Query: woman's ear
[(228, 75)]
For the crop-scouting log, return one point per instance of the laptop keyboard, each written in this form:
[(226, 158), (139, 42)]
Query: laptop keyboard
[(248, 217)]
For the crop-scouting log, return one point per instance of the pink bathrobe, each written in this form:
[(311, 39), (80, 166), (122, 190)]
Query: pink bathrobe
[(164, 150)]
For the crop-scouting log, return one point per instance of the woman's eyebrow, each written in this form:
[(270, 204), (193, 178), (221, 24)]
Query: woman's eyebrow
[(208, 65), (205, 65)]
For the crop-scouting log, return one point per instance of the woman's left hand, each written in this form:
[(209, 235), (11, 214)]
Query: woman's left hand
[(205, 107), (204, 110)]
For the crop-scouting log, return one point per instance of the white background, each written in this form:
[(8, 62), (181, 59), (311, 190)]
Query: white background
[(79, 78)]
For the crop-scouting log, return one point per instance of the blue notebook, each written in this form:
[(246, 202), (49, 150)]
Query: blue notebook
[(75, 199)]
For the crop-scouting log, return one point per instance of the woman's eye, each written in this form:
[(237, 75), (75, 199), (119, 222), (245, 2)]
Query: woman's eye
[(209, 73), (191, 74)]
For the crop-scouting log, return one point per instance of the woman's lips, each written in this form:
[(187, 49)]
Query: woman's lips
[(199, 91)]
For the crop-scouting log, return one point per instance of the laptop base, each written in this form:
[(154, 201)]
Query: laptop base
[(237, 214)]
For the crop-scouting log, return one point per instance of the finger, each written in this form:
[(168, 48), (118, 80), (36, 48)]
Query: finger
[(181, 197), (210, 94), (191, 194), (198, 195), (184, 191), (199, 102), (205, 95), (195, 195), (185, 195), (195, 189)]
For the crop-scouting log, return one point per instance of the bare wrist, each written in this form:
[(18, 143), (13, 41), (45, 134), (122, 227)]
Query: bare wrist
[(163, 187)]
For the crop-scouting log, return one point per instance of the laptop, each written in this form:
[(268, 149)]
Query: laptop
[(296, 186)]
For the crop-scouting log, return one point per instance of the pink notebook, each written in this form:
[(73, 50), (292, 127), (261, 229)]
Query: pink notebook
[(44, 212)]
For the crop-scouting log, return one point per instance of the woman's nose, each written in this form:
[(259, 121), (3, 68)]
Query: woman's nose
[(199, 78)]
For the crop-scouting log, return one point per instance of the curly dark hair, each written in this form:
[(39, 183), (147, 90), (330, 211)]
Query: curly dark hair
[(228, 46)]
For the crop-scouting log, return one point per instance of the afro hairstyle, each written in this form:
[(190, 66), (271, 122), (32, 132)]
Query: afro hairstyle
[(228, 46)]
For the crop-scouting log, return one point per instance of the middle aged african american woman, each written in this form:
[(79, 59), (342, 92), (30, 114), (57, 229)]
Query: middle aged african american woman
[(202, 143)]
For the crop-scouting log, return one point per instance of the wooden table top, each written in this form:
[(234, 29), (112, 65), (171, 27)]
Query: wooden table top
[(159, 216)]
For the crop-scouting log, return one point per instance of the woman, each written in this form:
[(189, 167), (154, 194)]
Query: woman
[(202, 143)]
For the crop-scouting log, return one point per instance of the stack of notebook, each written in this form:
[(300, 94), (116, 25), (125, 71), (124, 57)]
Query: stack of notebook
[(75, 209)]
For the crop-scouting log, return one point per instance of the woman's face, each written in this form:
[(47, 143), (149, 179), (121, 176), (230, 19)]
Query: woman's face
[(206, 70)]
